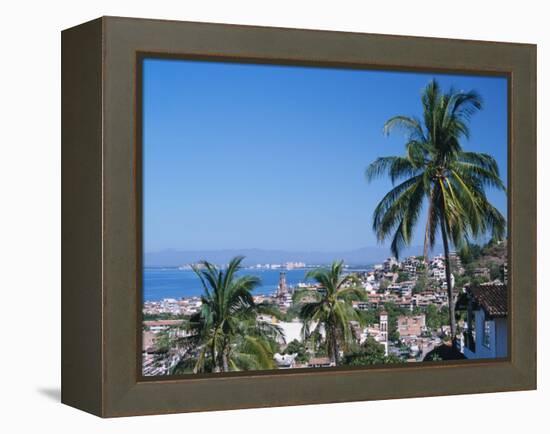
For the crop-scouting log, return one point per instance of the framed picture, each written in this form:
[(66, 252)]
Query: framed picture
[(263, 217)]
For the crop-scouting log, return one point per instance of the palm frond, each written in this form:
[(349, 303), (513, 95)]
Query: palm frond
[(411, 125)]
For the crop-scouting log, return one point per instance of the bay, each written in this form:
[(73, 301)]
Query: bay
[(160, 283)]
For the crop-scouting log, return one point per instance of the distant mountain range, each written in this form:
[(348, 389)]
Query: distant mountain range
[(363, 256)]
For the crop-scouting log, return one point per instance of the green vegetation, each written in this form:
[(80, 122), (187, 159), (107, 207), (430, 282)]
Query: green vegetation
[(368, 353), (225, 332), (469, 253), (291, 314), (163, 342), (299, 348), (421, 283), (403, 276), (495, 272), (481, 255), (436, 318), (384, 283), (368, 317), (330, 309), (437, 171), (491, 256)]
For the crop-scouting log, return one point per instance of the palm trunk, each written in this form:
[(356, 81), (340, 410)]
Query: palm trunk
[(450, 297), (427, 233), (225, 361), (426, 244), (215, 365), (335, 349), (332, 345)]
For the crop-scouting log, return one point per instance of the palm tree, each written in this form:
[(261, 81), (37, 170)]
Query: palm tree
[(436, 171), (330, 308), (225, 333)]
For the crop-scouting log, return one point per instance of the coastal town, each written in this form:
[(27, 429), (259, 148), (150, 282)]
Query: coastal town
[(302, 305), (401, 314)]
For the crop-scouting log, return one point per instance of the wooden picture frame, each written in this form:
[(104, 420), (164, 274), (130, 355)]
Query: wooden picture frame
[(101, 226)]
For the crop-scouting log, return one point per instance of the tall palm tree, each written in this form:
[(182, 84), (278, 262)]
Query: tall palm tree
[(330, 308), (436, 171), (225, 331)]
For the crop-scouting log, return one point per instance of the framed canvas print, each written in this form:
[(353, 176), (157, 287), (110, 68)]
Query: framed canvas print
[(262, 217)]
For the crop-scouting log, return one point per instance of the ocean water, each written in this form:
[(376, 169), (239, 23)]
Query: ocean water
[(159, 283)]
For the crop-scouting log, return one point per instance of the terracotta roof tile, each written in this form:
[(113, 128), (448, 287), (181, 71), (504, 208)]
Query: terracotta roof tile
[(492, 298), (319, 361)]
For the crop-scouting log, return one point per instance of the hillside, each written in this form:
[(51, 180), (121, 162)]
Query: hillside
[(492, 255)]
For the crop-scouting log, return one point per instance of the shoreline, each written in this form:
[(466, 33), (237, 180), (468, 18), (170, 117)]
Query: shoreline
[(166, 282)]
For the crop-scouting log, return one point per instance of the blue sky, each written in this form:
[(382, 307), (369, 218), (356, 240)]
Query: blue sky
[(273, 157)]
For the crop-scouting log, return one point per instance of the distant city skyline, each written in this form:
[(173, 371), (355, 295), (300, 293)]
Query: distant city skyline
[(362, 256), (273, 157)]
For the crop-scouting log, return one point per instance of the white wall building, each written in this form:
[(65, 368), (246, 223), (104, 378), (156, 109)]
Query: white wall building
[(384, 331)]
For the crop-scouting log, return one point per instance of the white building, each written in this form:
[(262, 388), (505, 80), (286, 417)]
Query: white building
[(158, 326), (438, 273), (390, 263), (285, 361), (410, 265), (384, 331), (369, 288), (371, 278)]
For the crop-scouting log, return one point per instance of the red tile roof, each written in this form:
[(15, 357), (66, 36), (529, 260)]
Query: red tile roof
[(492, 298), (319, 361)]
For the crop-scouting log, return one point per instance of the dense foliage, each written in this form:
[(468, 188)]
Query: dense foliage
[(225, 334), (369, 352), (436, 171), (330, 309)]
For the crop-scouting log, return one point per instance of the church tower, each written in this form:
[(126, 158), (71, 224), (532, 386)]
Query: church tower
[(282, 288)]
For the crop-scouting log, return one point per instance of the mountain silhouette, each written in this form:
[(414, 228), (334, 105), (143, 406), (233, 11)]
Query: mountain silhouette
[(362, 256)]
